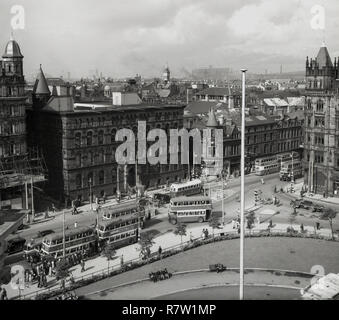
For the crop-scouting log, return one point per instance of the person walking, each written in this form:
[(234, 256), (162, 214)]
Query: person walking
[(160, 251), (302, 228), (75, 224), (82, 265), (122, 260)]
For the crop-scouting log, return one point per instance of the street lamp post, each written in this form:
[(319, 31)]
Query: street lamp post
[(242, 190), (90, 192)]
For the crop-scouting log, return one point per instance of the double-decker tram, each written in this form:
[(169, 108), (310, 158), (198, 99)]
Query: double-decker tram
[(267, 168), (121, 228), (82, 239), (121, 210), (190, 209), (291, 169), (283, 157), (186, 188), (272, 164)]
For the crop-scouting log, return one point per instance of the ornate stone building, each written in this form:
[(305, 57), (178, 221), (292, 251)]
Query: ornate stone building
[(16, 165), (321, 144), (78, 143)]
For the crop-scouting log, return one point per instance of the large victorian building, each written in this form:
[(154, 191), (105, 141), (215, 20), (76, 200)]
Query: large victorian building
[(16, 165), (79, 145), (321, 144)]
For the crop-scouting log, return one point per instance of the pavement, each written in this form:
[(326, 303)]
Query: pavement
[(132, 252), (314, 197)]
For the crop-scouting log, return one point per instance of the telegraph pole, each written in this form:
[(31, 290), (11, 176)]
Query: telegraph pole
[(33, 212), (242, 190)]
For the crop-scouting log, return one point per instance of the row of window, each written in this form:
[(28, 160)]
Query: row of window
[(190, 203), (69, 238), (114, 225), (122, 236), (191, 213)]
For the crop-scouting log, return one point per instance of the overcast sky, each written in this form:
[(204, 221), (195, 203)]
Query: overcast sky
[(125, 37)]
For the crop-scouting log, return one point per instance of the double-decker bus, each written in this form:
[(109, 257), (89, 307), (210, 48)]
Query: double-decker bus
[(272, 164), (121, 229), (121, 210), (186, 188), (264, 161), (267, 168), (289, 167), (190, 209), (283, 157), (76, 240)]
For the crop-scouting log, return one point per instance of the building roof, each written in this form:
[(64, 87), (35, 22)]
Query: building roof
[(12, 50), (215, 91), (275, 102), (41, 85), (200, 107), (323, 57)]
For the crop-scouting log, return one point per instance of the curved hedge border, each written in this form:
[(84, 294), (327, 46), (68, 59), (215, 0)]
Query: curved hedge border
[(171, 252)]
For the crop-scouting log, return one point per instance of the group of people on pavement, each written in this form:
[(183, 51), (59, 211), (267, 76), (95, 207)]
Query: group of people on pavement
[(204, 234), (3, 294)]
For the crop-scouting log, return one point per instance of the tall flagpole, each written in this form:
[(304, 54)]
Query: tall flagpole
[(63, 235), (242, 190)]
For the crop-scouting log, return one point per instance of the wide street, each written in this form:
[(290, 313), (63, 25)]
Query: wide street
[(160, 224)]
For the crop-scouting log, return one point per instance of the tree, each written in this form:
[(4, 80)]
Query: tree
[(214, 224), (146, 242), (62, 269), (108, 252), (250, 220), (180, 230), (292, 218), (329, 214)]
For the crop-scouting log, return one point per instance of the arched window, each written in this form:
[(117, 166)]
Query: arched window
[(78, 181), (101, 177), (101, 137), (114, 175), (90, 180), (89, 138), (77, 140), (78, 160), (91, 157), (113, 133)]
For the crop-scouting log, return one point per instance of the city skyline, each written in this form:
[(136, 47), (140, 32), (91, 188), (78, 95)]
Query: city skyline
[(123, 39)]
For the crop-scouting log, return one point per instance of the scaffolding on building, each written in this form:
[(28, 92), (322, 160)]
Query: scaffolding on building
[(16, 170)]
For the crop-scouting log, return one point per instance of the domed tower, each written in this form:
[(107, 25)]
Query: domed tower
[(12, 70), (12, 103), (13, 59)]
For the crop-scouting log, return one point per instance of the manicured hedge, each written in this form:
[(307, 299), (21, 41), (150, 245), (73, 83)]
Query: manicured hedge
[(171, 252)]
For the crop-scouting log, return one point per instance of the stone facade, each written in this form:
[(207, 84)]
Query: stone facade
[(321, 144)]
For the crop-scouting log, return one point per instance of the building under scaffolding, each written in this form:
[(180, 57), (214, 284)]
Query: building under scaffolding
[(19, 166), (16, 174)]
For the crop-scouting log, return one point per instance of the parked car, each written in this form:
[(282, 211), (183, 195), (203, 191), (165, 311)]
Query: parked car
[(305, 204), (15, 245), (318, 208)]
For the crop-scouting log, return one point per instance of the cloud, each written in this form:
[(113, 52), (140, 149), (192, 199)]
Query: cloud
[(125, 37)]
